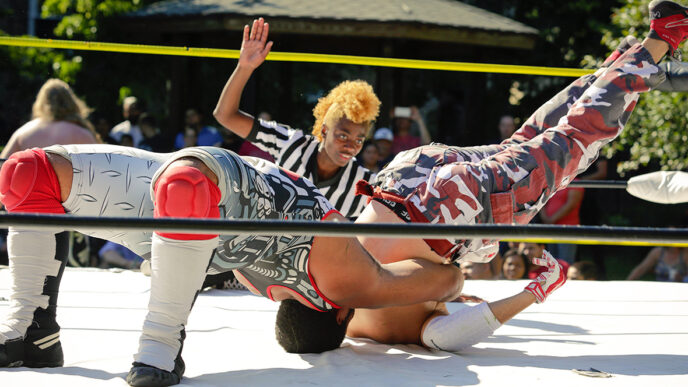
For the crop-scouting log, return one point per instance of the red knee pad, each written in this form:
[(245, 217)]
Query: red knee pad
[(28, 183), (185, 192)]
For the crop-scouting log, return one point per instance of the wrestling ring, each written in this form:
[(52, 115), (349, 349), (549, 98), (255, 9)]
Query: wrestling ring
[(611, 333)]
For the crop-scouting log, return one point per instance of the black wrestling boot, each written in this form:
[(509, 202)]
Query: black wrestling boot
[(40, 347), (144, 375)]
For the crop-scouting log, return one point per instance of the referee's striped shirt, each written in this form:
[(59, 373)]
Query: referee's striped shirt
[(296, 151)]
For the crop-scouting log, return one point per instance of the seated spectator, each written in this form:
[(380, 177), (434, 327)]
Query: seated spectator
[(583, 270), (115, 255), (563, 209), (370, 157), (515, 266), (131, 110), (507, 127), (153, 140), (383, 138), (102, 127), (669, 264), (536, 250), (126, 140), (205, 135), (404, 117), (189, 138), (476, 270)]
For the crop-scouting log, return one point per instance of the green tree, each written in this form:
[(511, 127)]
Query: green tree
[(656, 135)]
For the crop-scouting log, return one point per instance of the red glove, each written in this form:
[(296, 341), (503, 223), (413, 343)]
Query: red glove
[(548, 281)]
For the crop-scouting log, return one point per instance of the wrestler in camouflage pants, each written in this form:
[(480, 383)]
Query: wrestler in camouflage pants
[(511, 182)]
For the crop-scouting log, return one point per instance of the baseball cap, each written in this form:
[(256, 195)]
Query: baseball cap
[(383, 134)]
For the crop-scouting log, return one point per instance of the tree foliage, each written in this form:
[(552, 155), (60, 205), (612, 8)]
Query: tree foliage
[(656, 135)]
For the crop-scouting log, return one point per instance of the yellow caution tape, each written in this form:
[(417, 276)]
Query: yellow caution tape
[(295, 57)]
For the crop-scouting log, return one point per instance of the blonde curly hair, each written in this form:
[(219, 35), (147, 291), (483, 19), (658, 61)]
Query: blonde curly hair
[(354, 100)]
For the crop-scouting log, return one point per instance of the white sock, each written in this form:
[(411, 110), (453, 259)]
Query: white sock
[(177, 272), (32, 258), (461, 329)]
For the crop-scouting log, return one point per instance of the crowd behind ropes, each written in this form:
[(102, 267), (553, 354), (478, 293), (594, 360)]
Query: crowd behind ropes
[(58, 116)]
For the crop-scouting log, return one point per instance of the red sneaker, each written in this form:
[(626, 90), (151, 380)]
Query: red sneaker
[(668, 22)]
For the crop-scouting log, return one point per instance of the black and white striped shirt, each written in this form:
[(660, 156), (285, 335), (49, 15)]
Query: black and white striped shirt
[(296, 151)]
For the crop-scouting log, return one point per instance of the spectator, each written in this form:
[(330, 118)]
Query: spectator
[(563, 209), (189, 138), (515, 266), (533, 250), (384, 138), (583, 270), (404, 117), (205, 135), (507, 127), (102, 127), (476, 270), (669, 264), (115, 255), (153, 140), (370, 156), (59, 117), (126, 140), (131, 110)]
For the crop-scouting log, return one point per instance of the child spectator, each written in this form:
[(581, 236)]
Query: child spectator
[(515, 266), (205, 135), (583, 270), (370, 157)]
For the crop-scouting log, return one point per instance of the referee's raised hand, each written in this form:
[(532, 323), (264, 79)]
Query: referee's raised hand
[(254, 46)]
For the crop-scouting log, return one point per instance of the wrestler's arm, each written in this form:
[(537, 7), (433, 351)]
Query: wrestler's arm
[(471, 325), (254, 49), (351, 277)]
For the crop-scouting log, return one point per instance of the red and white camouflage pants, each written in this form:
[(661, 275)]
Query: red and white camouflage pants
[(510, 182)]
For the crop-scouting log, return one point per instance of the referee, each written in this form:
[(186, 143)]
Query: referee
[(343, 120)]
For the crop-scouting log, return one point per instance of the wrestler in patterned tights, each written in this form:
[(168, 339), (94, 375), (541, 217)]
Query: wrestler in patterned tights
[(510, 182)]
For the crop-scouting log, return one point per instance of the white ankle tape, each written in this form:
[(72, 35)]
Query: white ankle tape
[(177, 273), (461, 329), (32, 258)]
